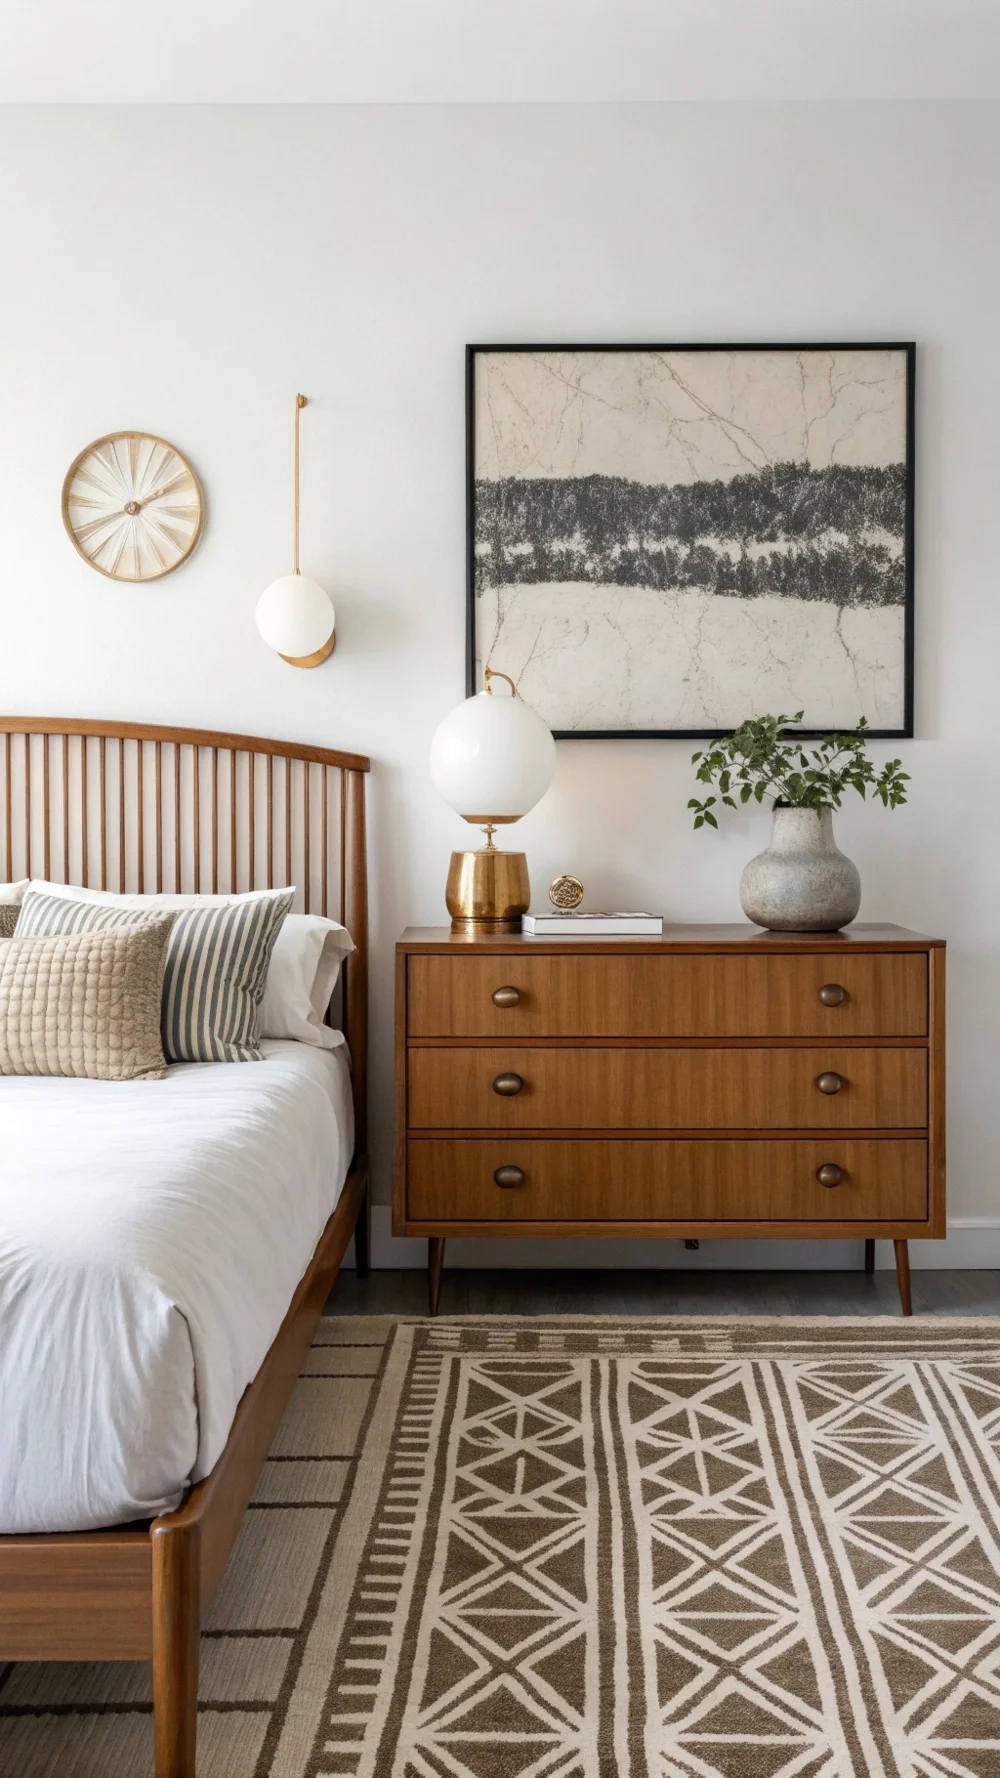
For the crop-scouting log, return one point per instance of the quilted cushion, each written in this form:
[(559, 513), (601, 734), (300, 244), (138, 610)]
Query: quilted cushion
[(85, 1005)]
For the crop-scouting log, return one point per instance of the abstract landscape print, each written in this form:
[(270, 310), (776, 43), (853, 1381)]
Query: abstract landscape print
[(666, 540)]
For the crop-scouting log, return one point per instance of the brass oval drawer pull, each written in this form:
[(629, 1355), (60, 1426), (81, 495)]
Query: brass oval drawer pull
[(829, 1174), (506, 996), (507, 1085), (830, 1082), (507, 1177), (832, 994)]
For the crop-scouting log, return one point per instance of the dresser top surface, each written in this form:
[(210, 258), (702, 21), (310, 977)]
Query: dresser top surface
[(738, 936)]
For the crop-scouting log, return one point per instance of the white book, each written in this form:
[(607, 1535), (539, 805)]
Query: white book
[(581, 925)]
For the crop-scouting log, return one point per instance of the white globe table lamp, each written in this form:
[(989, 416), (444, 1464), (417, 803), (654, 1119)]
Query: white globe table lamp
[(492, 759)]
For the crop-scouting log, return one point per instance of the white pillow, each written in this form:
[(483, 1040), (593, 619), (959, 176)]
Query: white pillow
[(305, 962), (13, 891)]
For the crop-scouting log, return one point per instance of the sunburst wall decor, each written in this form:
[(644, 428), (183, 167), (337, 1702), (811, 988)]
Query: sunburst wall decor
[(132, 506)]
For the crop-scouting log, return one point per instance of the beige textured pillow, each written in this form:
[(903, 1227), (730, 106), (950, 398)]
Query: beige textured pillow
[(9, 911), (85, 1005)]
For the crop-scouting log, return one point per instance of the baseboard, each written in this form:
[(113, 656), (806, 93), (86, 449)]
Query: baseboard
[(972, 1243)]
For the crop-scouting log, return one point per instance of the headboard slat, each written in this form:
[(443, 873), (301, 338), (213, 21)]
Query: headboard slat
[(288, 818), (306, 860), (232, 822), (65, 803), (177, 819), (215, 821), (46, 837), (159, 817), (270, 821), (196, 802), (253, 819), (140, 809), (324, 839), (342, 916), (9, 842), (103, 769), (121, 815), (84, 813), (27, 804)]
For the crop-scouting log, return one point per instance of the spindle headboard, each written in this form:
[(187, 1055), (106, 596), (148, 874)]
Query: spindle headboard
[(129, 807)]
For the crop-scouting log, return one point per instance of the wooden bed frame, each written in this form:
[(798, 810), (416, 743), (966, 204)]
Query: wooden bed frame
[(126, 806)]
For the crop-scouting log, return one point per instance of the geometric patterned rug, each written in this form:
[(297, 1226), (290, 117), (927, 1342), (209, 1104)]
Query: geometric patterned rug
[(589, 1548)]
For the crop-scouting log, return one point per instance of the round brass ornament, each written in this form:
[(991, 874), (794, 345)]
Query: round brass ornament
[(132, 506), (566, 893)]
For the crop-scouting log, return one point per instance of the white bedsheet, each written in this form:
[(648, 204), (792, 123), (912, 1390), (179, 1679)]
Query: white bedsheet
[(152, 1234)]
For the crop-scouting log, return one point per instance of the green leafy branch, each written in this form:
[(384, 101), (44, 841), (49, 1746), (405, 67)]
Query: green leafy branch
[(760, 759)]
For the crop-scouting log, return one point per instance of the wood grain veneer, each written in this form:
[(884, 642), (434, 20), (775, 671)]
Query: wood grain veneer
[(669, 995), (668, 1089), (183, 737), (176, 1629), (716, 1035), (705, 1182), (686, 935), (62, 1596)]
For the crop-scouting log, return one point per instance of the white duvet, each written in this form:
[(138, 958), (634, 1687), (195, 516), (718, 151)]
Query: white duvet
[(152, 1234)]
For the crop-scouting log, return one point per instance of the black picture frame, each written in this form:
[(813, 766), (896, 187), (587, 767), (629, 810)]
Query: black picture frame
[(908, 347)]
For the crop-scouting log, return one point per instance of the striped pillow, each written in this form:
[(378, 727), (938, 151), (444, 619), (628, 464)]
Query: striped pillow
[(217, 963)]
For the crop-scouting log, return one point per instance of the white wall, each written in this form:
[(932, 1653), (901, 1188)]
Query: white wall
[(185, 271)]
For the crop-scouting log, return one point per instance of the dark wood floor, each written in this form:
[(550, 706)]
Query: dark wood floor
[(665, 1293)]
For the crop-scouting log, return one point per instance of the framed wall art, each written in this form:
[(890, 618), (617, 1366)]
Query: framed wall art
[(664, 540)]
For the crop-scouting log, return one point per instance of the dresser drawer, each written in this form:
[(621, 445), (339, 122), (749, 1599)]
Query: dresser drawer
[(698, 1181), (747, 994), (667, 1089)]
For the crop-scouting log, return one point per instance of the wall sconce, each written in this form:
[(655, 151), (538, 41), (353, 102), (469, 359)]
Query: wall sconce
[(294, 615)]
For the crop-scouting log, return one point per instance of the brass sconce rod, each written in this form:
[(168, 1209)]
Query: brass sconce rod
[(300, 403)]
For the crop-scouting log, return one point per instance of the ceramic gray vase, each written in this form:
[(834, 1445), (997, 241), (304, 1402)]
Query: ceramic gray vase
[(802, 883)]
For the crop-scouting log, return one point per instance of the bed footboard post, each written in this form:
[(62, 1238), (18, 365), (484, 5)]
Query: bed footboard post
[(176, 1631)]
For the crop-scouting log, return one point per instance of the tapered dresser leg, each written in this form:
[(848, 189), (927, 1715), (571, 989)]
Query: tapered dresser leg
[(903, 1275), (435, 1266), (176, 1629), (363, 1238), (869, 1256)]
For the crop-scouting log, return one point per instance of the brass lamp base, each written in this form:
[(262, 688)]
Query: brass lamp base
[(487, 891)]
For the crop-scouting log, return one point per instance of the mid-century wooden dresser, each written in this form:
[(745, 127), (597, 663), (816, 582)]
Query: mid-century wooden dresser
[(715, 1081)]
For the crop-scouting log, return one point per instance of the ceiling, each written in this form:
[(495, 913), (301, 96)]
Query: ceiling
[(395, 51)]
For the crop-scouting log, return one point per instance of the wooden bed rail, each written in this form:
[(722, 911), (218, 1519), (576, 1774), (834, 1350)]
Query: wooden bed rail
[(136, 808)]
